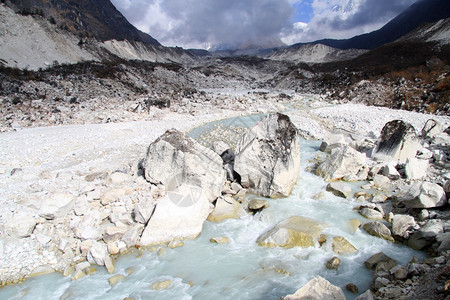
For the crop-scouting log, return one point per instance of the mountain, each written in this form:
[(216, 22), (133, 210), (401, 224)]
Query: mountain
[(41, 33), (314, 53), (86, 18), (423, 11)]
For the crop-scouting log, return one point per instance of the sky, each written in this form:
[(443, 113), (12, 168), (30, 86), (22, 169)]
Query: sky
[(205, 24)]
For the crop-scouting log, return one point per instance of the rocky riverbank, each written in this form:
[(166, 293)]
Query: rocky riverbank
[(76, 193)]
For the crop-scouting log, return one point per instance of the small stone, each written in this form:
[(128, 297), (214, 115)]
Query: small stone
[(322, 239), (381, 181), (333, 263), (340, 189), (372, 262), (381, 282), (116, 279), (354, 225), (341, 246), (219, 240), (112, 196), (161, 285), (370, 213), (257, 204), (68, 271), (351, 287)]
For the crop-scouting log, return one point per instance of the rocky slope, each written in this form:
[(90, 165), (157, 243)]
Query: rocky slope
[(424, 11), (317, 53), (33, 42), (85, 19)]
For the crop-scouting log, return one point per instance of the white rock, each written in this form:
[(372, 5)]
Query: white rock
[(268, 157), (340, 189), (401, 224), (112, 196), (175, 159), (56, 205), (119, 178), (226, 208), (317, 288), (391, 172), (344, 161), (398, 142), (178, 215), (98, 254), (132, 236), (21, 224), (333, 141), (143, 210), (416, 169), (425, 195)]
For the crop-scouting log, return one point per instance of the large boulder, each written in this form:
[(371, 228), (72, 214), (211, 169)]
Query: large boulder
[(174, 159), (317, 288), (178, 215), (398, 142), (425, 195), (292, 232), (268, 157), (343, 162)]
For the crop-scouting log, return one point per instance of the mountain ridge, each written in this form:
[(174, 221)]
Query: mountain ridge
[(99, 19), (423, 11)]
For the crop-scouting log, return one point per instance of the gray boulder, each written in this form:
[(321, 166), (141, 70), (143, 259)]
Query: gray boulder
[(378, 229), (398, 142), (268, 157), (317, 288), (426, 235), (401, 224), (174, 159), (379, 258), (425, 195), (343, 162)]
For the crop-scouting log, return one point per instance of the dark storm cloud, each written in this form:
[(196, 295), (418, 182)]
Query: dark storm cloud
[(199, 23), (212, 21), (232, 21)]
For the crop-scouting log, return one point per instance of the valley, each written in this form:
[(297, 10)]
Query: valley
[(124, 169)]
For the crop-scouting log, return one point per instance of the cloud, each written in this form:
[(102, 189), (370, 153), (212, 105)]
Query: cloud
[(345, 18), (202, 23), (205, 22)]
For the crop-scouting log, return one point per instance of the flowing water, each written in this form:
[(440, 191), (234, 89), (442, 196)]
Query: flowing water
[(240, 269)]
